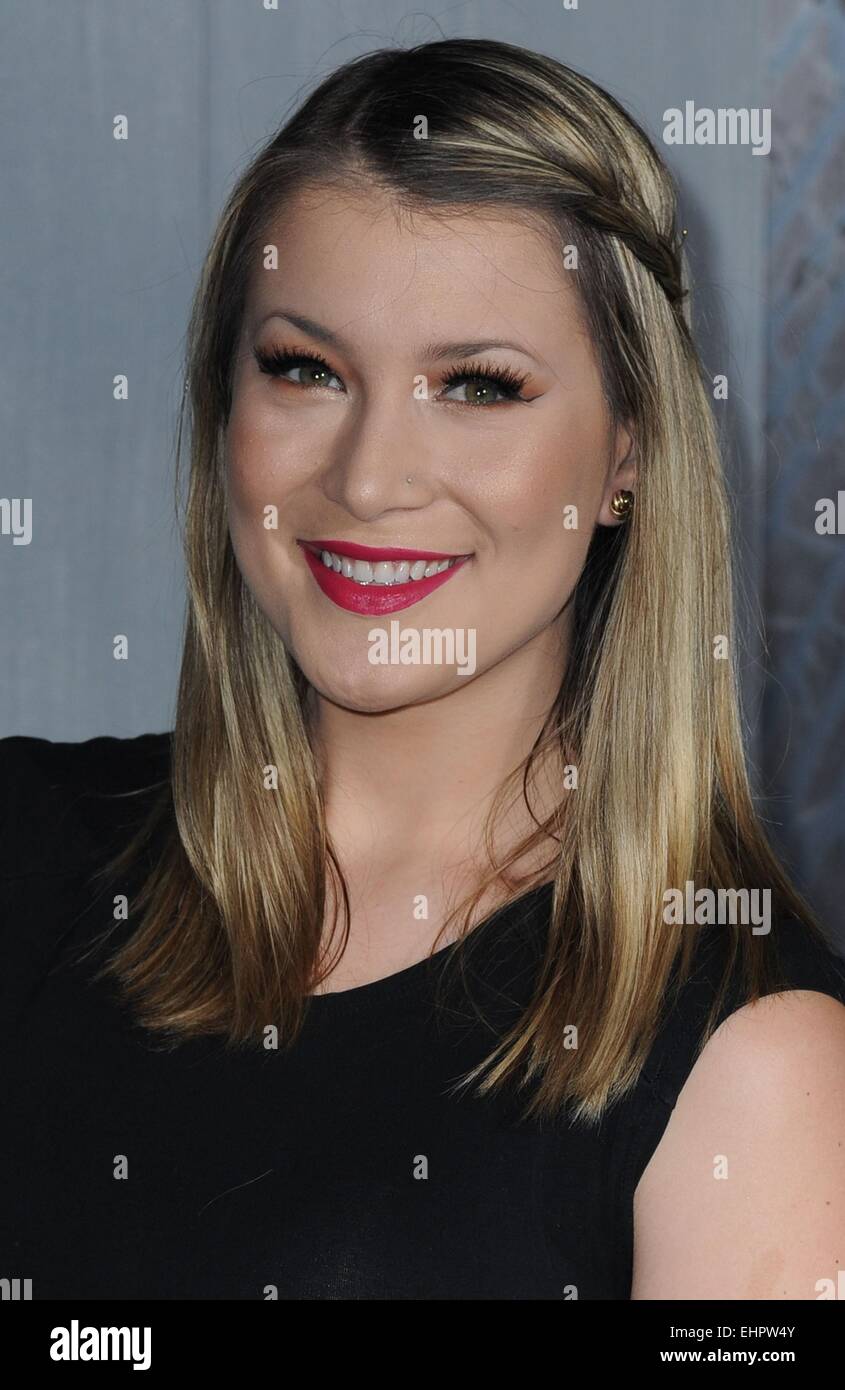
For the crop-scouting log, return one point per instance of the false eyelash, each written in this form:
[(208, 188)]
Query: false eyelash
[(274, 361), (510, 380)]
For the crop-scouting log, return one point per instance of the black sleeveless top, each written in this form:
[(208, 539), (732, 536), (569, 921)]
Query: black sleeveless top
[(343, 1169)]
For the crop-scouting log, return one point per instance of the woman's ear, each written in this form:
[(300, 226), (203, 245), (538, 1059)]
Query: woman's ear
[(621, 475)]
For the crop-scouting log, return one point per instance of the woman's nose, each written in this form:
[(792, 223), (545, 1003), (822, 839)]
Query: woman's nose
[(379, 461)]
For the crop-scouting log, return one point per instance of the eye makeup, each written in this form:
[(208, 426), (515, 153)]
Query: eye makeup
[(506, 380)]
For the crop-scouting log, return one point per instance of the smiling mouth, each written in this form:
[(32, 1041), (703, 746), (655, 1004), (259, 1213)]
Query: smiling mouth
[(388, 566), (368, 580)]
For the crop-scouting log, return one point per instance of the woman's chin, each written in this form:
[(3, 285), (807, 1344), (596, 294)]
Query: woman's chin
[(370, 689)]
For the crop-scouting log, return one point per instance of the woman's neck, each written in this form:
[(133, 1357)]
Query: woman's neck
[(415, 784)]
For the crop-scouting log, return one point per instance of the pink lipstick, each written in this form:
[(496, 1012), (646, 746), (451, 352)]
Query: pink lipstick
[(366, 596)]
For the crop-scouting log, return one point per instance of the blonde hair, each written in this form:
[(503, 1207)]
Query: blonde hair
[(232, 903)]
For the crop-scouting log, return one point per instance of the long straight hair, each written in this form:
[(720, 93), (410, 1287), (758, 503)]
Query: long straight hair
[(231, 906)]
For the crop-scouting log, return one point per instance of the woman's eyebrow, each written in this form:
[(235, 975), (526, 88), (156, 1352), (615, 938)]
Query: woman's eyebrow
[(432, 352)]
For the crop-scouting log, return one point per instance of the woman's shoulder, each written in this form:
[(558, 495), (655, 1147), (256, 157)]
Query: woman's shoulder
[(637, 1121), (763, 1100), (804, 959), (62, 803), (65, 809)]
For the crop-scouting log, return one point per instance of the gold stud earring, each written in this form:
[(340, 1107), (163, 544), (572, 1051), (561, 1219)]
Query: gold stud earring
[(621, 504)]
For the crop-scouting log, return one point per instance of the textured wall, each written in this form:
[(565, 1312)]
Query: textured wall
[(804, 589)]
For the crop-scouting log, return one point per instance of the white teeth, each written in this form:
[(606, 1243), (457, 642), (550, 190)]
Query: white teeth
[(383, 571)]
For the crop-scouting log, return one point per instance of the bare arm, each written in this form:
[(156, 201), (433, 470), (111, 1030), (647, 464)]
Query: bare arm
[(744, 1196)]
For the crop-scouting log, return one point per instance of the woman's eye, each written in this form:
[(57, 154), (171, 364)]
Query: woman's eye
[(311, 374), (482, 391), (485, 384), (313, 370)]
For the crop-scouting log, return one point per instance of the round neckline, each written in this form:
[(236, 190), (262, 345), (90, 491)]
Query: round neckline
[(402, 982)]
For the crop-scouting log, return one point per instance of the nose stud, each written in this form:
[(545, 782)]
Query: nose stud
[(409, 479)]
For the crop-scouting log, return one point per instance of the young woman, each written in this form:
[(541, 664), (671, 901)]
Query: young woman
[(439, 952)]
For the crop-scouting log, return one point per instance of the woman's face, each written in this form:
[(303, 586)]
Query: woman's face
[(509, 476)]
